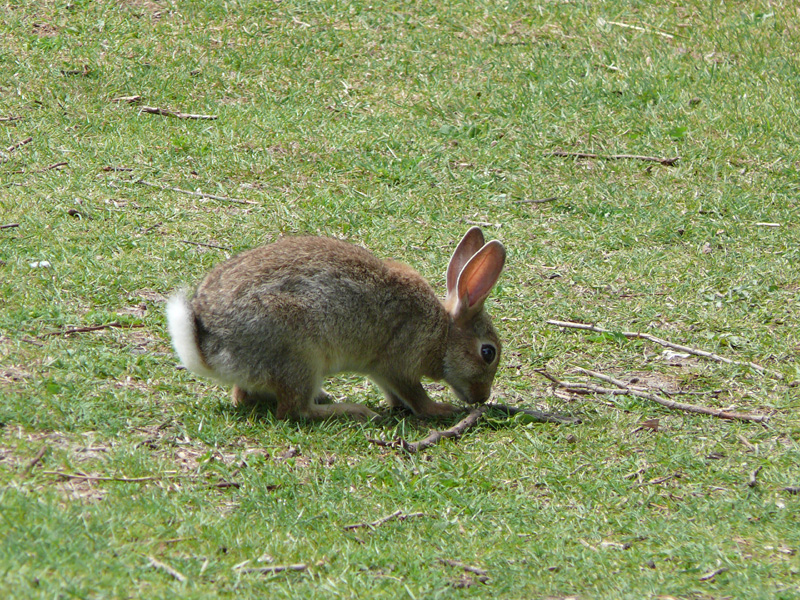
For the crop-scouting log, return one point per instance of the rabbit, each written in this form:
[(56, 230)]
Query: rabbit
[(276, 320)]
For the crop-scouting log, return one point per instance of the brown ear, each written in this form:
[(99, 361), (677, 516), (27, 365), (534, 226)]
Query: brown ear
[(478, 277), (466, 249)]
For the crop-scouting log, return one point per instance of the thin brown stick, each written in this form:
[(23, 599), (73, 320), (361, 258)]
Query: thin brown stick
[(398, 514), (57, 165), (536, 200), (669, 162), (9, 226), (113, 324), (127, 99), (191, 193), (459, 565), (711, 574), (456, 431), (666, 344), (10, 118), (466, 423), (677, 405), (541, 417), (36, 459), (752, 481), (84, 477), (625, 389), (154, 110), (204, 245), (19, 144), (268, 570), (157, 564)]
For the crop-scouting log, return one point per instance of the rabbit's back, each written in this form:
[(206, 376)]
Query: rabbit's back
[(319, 301)]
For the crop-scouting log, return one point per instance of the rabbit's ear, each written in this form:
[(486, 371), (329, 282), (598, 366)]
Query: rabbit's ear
[(466, 249), (477, 279)]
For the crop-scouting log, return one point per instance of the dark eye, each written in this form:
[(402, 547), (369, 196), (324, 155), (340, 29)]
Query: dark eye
[(488, 352)]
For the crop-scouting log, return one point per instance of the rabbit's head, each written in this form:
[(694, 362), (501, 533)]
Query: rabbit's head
[(473, 347)]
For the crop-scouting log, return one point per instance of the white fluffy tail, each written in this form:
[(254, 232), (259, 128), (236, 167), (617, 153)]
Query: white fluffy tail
[(180, 322)]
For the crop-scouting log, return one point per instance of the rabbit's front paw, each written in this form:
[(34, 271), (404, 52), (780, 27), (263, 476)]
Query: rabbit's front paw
[(442, 409)]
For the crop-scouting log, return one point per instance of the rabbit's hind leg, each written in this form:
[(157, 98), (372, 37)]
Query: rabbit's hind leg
[(241, 397), (301, 403), (321, 412)]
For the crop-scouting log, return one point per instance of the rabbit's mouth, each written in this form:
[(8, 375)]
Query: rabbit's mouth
[(472, 396)]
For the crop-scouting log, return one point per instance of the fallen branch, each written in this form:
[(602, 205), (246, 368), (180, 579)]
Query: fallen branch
[(669, 162), (19, 144), (9, 226), (154, 110), (84, 477), (536, 200), (455, 431), (10, 118), (128, 99), (204, 245), (459, 565), (190, 193), (666, 344), (274, 569), (157, 564), (398, 514), (711, 574), (57, 165), (625, 389), (113, 324), (541, 417)]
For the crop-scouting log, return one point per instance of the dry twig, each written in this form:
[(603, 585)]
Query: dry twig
[(541, 417), (536, 200), (625, 389), (455, 431), (113, 324), (190, 192), (36, 459), (711, 574), (669, 162), (669, 36), (204, 245), (19, 144), (84, 477), (9, 226), (128, 99), (154, 110), (469, 421), (270, 569), (459, 565), (398, 514), (666, 344), (157, 564)]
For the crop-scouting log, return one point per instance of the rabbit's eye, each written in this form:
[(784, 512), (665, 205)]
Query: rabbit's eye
[(488, 352)]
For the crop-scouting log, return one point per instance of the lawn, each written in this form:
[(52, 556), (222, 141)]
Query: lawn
[(142, 142)]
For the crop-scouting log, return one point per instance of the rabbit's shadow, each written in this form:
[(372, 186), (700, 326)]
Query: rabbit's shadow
[(394, 421)]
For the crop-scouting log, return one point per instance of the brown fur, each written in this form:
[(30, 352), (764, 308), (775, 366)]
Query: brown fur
[(278, 319)]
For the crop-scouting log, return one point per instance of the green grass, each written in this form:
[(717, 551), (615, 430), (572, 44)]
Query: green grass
[(393, 125)]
